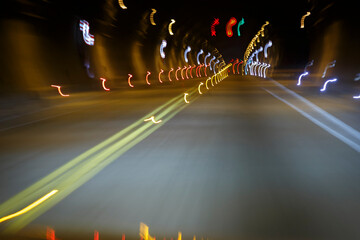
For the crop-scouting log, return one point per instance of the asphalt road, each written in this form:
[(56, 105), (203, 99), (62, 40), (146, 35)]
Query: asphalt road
[(248, 159)]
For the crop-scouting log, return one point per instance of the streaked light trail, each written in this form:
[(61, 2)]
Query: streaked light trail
[(153, 11), (147, 77), (229, 26), (302, 25), (162, 46), (59, 90), (198, 55), (212, 28), (170, 26), (302, 75), (103, 80), (187, 50), (326, 83), (152, 118), (28, 208), (241, 22), (85, 28), (269, 44), (129, 80)]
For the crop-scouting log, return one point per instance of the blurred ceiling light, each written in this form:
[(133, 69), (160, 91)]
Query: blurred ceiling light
[(152, 16), (229, 26), (269, 44), (85, 28), (241, 22), (198, 55), (329, 65), (212, 28), (122, 5), (170, 26), (303, 20), (187, 50), (162, 46)]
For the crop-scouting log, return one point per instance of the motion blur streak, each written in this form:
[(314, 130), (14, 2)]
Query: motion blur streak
[(302, 75), (152, 118), (147, 77), (31, 206), (161, 71), (182, 72), (103, 80), (206, 83), (356, 97), (170, 74), (129, 80), (59, 90), (170, 26), (176, 76), (198, 55), (85, 28), (241, 22), (122, 5), (162, 46), (303, 20), (329, 65), (82, 168), (269, 44), (326, 83), (212, 28), (152, 17), (185, 95), (187, 50), (186, 72), (200, 84), (320, 117), (229, 26)]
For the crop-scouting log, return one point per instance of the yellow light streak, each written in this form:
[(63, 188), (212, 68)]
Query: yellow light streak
[(200, 86), (152, 16), (122, 5), (207, 82), (303, 20), (185, 95), (28, 208), (170, 26), (152, 118)]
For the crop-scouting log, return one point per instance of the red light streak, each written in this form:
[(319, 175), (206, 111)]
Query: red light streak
[(96, 235), (216, 22), (229, 26), (191, 70)]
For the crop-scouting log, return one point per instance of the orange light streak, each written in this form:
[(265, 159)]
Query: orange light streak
[(103, 84), (59, 90), (147, 77), (130, 76)]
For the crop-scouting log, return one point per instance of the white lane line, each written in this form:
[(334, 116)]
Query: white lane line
[(335, 132), (340, 124)]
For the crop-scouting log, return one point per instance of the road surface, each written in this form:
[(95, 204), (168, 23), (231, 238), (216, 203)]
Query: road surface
[(248, 159)]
